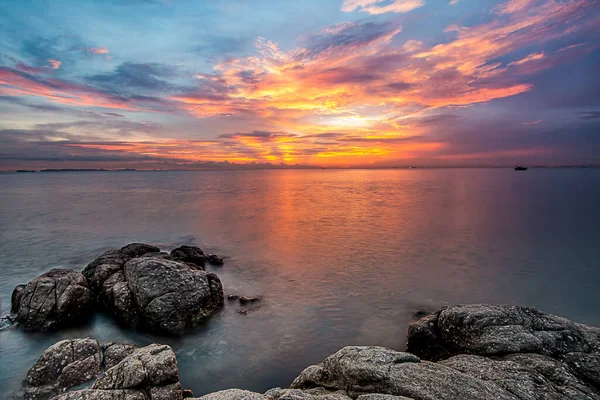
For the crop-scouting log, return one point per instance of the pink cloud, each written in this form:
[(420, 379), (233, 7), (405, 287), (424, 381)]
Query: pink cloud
[(54, 64)]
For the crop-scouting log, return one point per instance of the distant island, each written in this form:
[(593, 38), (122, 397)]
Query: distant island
[(76, 170)]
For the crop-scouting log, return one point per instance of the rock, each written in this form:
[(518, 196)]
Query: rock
[(233, 297), (364, 370), (527, 376), (148, 289), (55, 299), (308, 394), (134, 250), (377, 396), (233, 394), (15, 299), (63, 365), (165, 296), (244, 299), (189, 254), (485, 329), (214, 259), (148, 373), (113, 353), (245, 311)]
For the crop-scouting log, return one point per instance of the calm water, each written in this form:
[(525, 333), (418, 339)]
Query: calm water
[(340, 257)]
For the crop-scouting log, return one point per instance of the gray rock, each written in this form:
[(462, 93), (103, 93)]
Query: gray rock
[(149, 290), (134, 250), (166, 296), (486, 329), (63, 365), (526, 376), (153, 365), (90, 394), (364, 370), (307, 394), (15, 298), (214, 259), (113, 353), (233, 394), (378, 396), (189, 254), (55, 299)]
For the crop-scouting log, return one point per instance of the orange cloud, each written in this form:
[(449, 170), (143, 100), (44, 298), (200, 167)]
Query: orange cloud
[(97, 50)]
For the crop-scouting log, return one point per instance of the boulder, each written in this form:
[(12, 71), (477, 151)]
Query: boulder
[(114, 352), (15, 298), (308, 394), (189, 254), (55, 299), (365, 370), (165, 296), (63, 365), (486, 329), (148, 373), (233, 394), (150, 290)]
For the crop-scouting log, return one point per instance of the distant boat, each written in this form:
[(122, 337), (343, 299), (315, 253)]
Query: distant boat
[(517, 168)]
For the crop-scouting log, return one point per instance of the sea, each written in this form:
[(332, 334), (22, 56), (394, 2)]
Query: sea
[(339, 257)]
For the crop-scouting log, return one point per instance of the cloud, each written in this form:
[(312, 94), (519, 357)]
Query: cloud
[(135, 78), (97, 50), (381, 6), (588, 115), (54, 64)]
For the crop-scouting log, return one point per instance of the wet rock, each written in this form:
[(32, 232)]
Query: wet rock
[(166, 296), (486, 329), (189, 254), (526, 376), (244, 299), (147, 289), (114, 352), (245, 311), (134, 250), (233, 394), (63, 365), (58, 298), (308, 394), (15, 299), (214, 259), (233, 297), (148, 373), (364, 370)]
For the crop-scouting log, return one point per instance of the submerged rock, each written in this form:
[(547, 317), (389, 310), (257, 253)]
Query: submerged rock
[(55, 299), (214, 259)]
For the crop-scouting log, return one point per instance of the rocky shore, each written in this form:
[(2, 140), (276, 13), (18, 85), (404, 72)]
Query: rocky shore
[(464, 352), (139, 285)]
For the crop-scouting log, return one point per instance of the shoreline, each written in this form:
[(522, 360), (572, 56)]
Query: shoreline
[(473, 351)]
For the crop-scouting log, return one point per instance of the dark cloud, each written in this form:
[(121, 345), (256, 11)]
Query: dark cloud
[(136, 78), (589, 114), (351, 34), (264, 135)]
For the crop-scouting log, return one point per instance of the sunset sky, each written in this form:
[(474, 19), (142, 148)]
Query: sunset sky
[(345, 83)]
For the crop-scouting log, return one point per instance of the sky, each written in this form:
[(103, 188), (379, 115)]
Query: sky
[(182, 84)]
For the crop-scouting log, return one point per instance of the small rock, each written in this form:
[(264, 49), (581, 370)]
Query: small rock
[(233, 297), (244, 299), (214, 259)]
